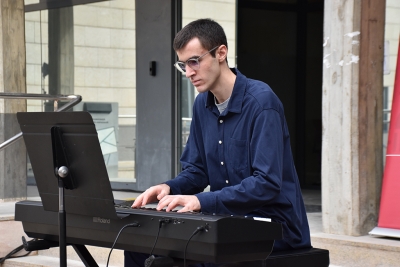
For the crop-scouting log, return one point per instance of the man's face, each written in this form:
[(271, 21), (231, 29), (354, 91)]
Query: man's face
[(205, 78)]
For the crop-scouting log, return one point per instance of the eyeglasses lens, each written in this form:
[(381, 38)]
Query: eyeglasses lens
[(193, 64), (181, 67)]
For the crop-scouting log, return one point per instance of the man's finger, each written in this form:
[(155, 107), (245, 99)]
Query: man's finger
[(165, 202), (137, 202), (160, 196)]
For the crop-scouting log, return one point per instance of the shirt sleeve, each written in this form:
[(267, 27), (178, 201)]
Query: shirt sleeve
[(263, 186), (193, 178)]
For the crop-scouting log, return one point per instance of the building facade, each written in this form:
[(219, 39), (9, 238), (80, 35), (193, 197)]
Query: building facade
[(316, 55)]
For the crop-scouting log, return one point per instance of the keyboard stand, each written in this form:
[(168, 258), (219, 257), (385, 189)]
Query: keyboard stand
[(85, 256)]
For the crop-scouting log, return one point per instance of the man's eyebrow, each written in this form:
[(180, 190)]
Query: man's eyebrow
[(192, 57)]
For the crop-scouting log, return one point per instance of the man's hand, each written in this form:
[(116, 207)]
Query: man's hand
[(152, 194), (189, 203)]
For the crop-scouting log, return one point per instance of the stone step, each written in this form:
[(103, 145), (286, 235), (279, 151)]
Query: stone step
[(39, 261), (11, 233), (42, 261), (99, 254), (50, 258), (361, 251)]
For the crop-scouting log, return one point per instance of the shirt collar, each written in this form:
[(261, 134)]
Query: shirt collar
[(235, 103)]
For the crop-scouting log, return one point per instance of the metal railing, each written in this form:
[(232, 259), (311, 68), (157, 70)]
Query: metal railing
[(74, 99)]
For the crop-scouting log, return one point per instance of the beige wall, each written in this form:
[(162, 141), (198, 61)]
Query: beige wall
[(105, 66), (222, 11), (392, 32), (35, 32)]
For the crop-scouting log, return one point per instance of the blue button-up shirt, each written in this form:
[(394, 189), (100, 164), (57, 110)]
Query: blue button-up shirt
[(244, 155)]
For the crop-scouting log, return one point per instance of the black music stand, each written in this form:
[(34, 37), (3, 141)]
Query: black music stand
[(65, 153)]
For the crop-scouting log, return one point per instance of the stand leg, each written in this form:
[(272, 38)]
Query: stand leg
[(85, 256), (62, 224)]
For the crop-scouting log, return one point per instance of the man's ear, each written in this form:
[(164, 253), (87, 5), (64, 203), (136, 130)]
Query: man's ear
[(222, 53)]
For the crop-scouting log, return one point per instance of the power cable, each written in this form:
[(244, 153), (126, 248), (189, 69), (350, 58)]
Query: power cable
[(14, 251), (120, 231), (198, 230)]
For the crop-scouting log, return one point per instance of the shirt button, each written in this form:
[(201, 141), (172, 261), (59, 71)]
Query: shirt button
[(221, 121), (219, 142), (227, 181), (222, 163)]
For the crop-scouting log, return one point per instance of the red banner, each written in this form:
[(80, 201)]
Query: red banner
[(389, 214)]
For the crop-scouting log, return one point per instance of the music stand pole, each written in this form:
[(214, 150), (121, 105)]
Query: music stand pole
[(65, 181), (61, 173)]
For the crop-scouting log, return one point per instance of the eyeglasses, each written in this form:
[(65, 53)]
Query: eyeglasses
[(193, 63)]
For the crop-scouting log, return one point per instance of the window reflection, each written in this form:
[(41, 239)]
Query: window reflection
[(89, 50)]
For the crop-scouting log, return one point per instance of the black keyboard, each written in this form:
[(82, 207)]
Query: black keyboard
[(225, 238), (151, 206)]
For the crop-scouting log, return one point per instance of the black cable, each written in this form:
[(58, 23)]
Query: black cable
[(10, 255), (198, 229), (120, 231), (161, 222)]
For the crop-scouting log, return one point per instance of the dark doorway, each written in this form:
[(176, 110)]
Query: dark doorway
[(280, 42)]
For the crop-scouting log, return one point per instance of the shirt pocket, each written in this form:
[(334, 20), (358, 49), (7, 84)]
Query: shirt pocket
[(238, 154)]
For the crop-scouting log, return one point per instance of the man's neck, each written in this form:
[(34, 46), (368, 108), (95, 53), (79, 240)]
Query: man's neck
[(225, 85)]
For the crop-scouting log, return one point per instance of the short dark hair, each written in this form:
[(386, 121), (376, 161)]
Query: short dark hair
[(209, 33)]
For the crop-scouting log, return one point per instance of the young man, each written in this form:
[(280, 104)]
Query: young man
[(238, 144)]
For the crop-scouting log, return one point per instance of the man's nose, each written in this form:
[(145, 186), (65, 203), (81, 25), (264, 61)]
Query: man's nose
[(189, 72)]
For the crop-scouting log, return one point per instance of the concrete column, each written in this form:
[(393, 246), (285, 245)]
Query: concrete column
[(12, 80), (352, 115)]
